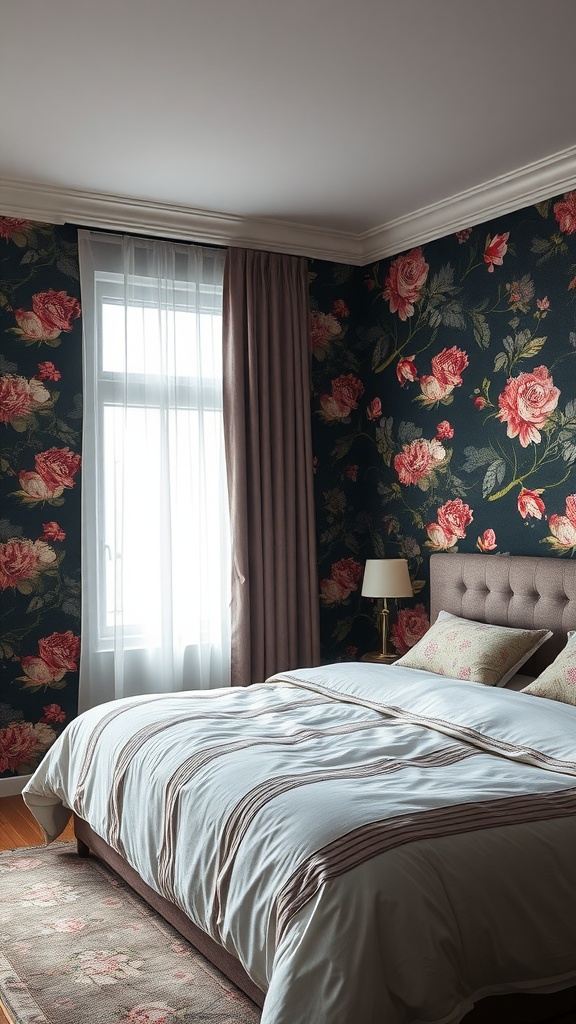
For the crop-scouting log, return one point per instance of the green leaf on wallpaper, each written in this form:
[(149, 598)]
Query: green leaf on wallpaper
[(384, 439), (476, 457), (343, 628), (500, 362), (351, 543), (343, 446), (71, 606), (377, 542), (380, 353), (29, 257), (389, 493), (35, 604), (434, 318), (532, 348), (68, 267), (453, 316), (330, 535), (543, 208), (418, 585), (569, 451), (442, 283), (408, 432), (480, 328), (493, 477), (341, 273)]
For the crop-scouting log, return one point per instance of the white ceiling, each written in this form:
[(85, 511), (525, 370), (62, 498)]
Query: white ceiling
[(342, 116)]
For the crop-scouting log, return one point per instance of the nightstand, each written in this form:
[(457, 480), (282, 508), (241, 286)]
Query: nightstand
[(383, 659)]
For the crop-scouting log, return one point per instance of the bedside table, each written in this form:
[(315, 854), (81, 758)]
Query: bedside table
[(383, 659)]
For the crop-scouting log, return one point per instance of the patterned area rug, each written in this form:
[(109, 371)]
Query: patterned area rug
[(78, 946)]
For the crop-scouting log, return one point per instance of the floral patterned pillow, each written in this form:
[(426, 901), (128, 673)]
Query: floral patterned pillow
[(558, 681), (482, 653)]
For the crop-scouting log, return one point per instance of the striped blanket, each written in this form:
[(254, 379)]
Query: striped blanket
[(374, 844)]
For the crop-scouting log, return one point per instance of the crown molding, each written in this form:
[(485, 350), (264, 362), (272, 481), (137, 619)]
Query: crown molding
[(523, 187), (54, 205)]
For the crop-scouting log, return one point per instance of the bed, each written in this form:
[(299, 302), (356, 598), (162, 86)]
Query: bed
[(357, 842)]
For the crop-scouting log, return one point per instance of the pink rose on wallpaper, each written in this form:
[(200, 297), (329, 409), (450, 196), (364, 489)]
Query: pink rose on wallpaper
[(53, 713), (433, 390), (23, 560), (410, 626), (60, 651), (52, 531), (530, 503), (487, 542), (346, 390), (32, 327), (444, 431), (448, 366), (20, 397), (454, 517), (463, 235), (374, 410), (21, 742), (526, 403), (340, 309), (403, 285), (439, 538), (352, 472), (56, 309), (57, 467), (495, 250), (38, 673), (323, 329), (343, 579), (565, 213), (52, 312), (35, 489), (563, 530), (18, 743), (406, 370), (417, 460), (12, 226), (47, 371), (480, 402)]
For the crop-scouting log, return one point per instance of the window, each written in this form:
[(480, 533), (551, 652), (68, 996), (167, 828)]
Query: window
[(155, 510)]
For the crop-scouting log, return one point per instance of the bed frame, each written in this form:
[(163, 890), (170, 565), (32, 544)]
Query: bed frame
[(508, 590)]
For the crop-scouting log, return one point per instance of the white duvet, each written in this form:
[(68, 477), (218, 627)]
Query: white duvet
[(376, 845)]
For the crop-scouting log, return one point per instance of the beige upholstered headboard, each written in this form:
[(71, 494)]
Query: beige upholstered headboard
[(508, 590)]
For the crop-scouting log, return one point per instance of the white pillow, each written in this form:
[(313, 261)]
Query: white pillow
[(464, 649)]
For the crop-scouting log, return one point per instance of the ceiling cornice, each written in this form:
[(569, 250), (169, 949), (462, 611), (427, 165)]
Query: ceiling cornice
[(55, 205), (526, 185), (523, 187)]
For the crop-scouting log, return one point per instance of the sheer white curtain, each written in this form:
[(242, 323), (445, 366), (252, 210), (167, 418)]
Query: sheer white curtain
[(155, 528)]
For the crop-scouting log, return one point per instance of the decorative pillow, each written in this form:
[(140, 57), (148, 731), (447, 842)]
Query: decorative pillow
[(558, 681), (464, 649)]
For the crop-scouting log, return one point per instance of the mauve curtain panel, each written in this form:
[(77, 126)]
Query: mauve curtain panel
[(267, 426)]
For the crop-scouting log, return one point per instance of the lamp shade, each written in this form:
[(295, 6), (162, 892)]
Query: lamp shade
[(386, 577)]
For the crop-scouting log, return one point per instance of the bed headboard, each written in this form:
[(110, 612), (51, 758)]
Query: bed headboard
[(508, 590)]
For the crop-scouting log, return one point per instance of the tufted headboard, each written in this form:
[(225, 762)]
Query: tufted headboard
[(508, 590)]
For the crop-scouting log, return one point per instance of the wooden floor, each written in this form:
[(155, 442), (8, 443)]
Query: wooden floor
[(18, 829)]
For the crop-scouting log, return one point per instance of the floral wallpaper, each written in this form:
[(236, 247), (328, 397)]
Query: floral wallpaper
[(40, 432), (444, 410)]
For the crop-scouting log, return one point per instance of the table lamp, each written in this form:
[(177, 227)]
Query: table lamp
[(384, 578)]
